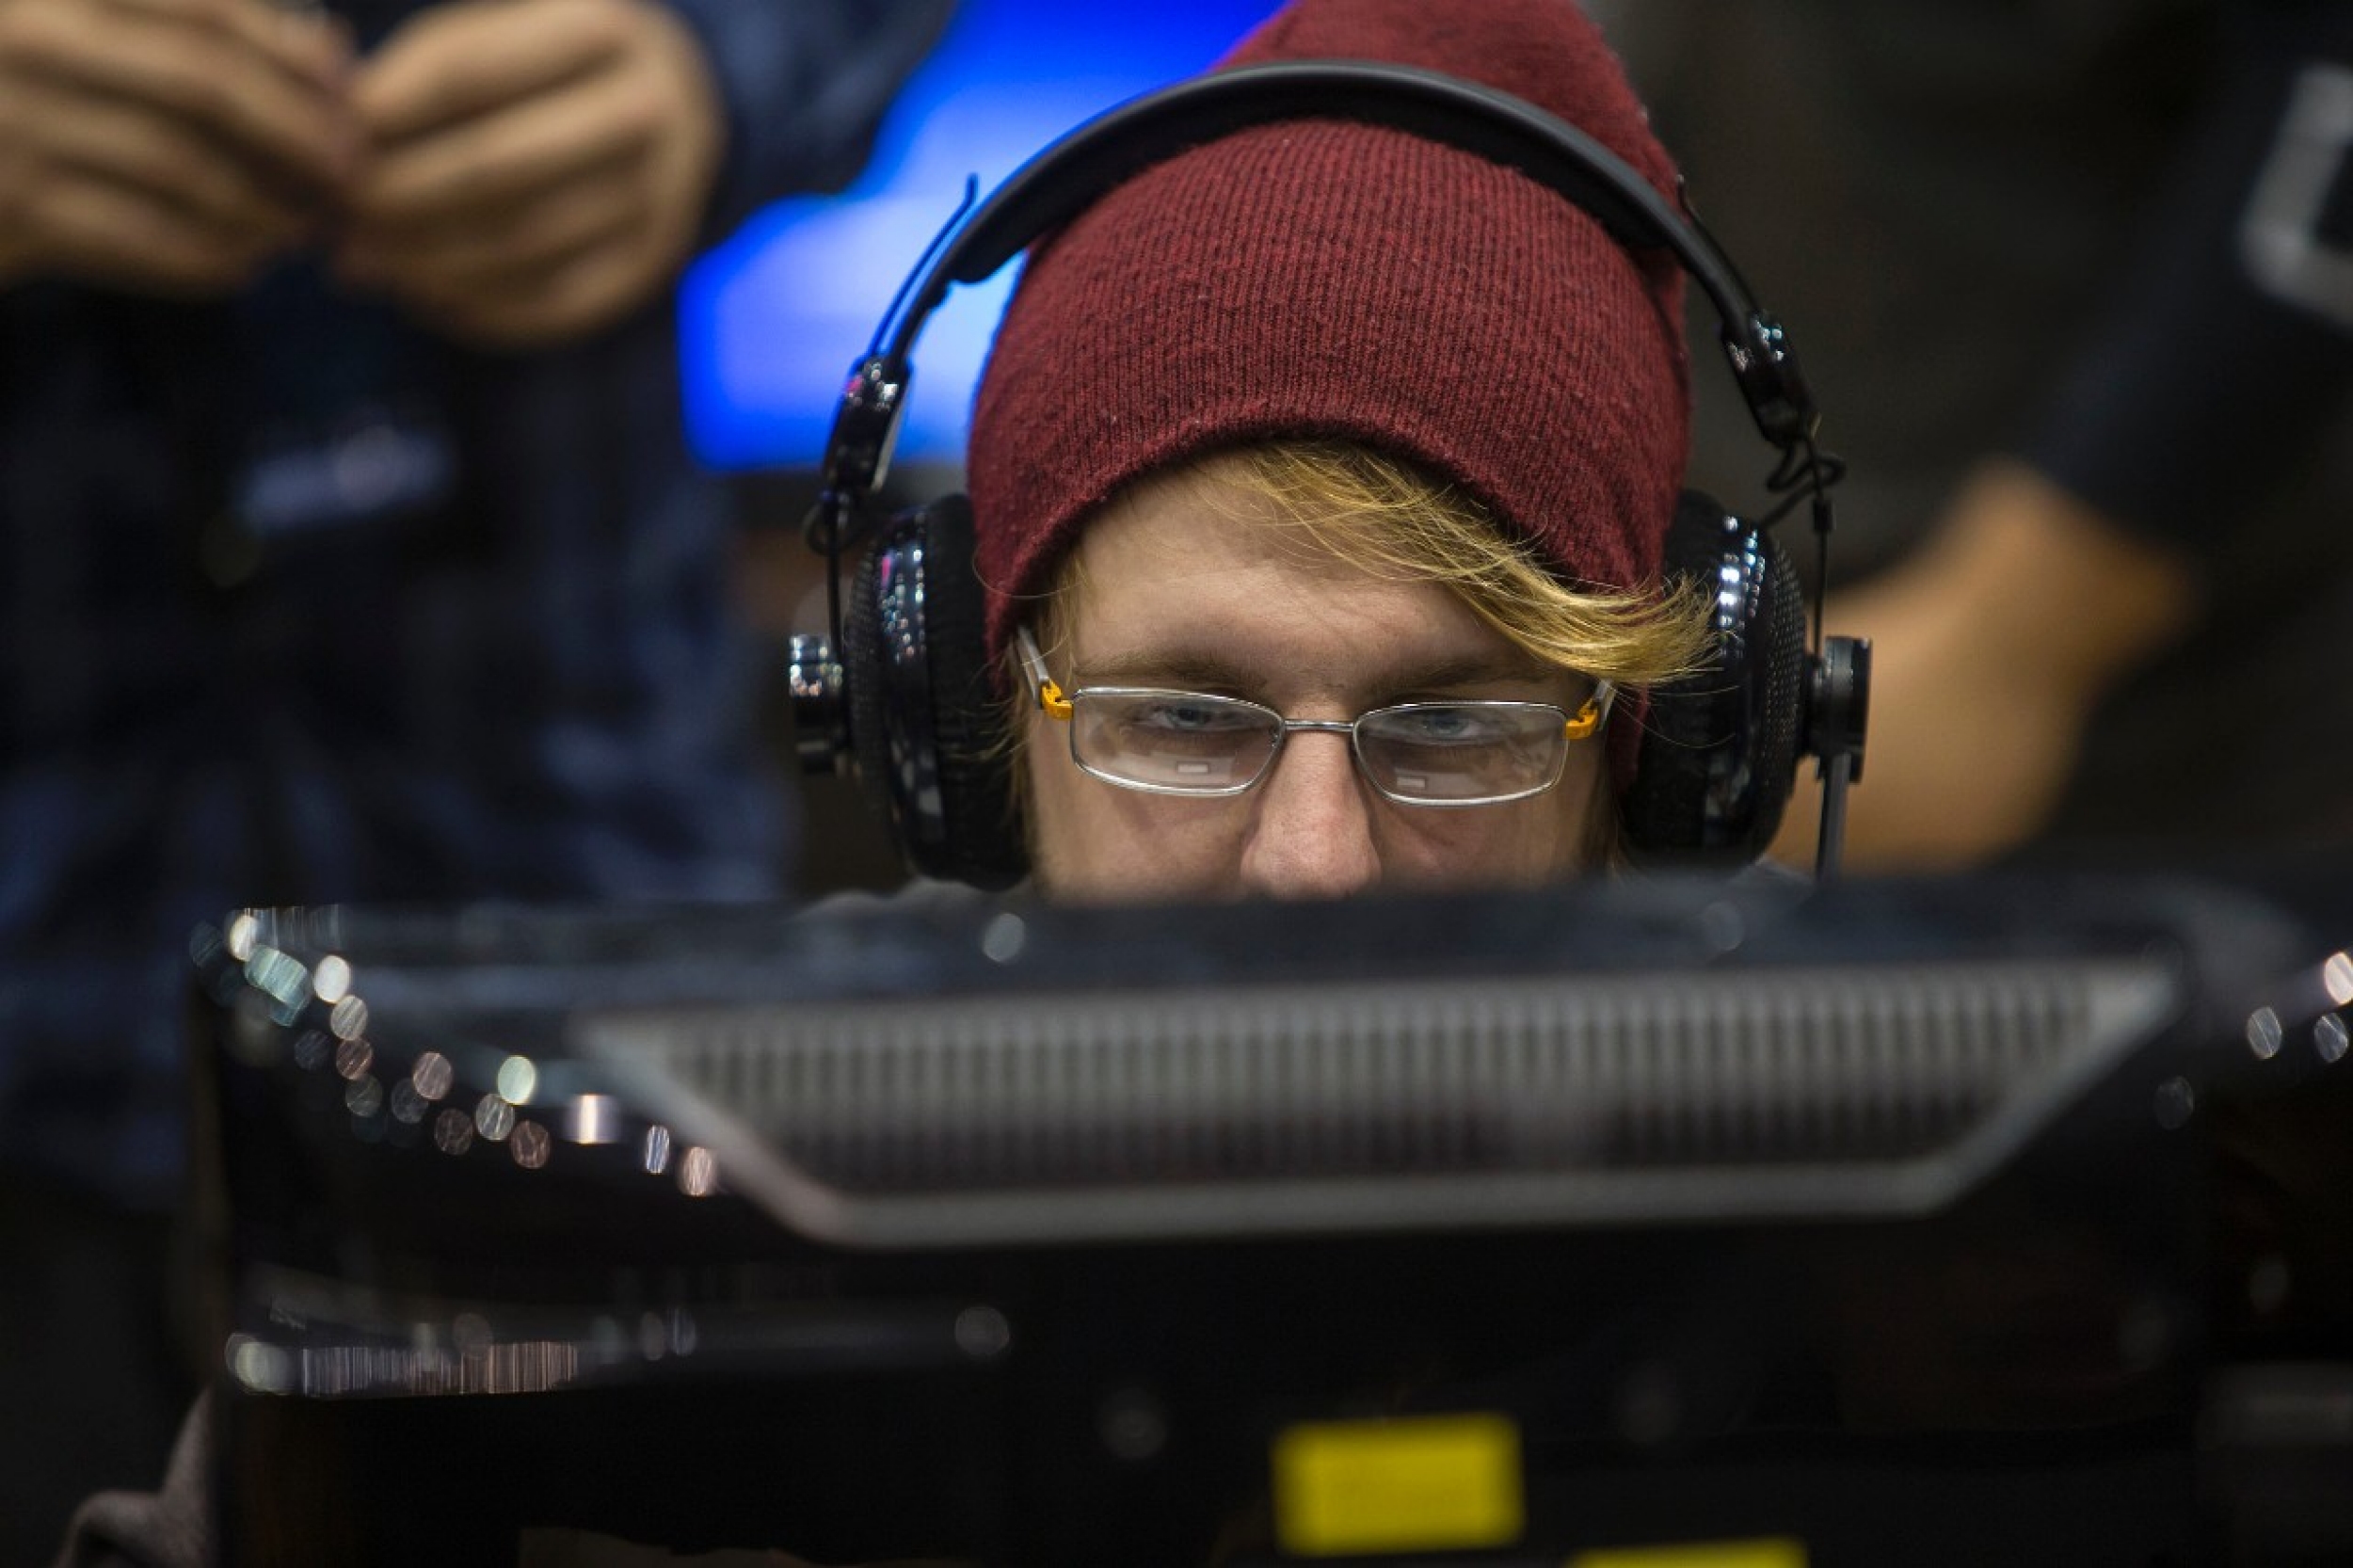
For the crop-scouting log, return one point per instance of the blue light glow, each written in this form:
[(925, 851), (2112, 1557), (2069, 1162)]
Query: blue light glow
[(772, 320)]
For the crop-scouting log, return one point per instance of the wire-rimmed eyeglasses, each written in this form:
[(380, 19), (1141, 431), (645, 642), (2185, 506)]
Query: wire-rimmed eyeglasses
[(1175, 743)]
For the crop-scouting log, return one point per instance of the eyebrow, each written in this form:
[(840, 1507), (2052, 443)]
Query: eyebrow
[(1196, 670)]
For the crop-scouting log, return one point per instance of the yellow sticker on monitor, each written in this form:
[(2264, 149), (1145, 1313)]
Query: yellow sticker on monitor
[(1778, 1552), (1423, 1483)]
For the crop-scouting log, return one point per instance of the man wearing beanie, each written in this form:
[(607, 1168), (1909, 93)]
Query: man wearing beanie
[(1322, 422)]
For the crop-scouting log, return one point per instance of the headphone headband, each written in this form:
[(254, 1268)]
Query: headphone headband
[(1058, 183)]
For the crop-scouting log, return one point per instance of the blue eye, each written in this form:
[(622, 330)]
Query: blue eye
[(1443, 726), (1185, 715)]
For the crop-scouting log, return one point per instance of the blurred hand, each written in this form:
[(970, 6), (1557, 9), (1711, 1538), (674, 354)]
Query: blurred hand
[(1990, 648), (537, 169), (165, 146)]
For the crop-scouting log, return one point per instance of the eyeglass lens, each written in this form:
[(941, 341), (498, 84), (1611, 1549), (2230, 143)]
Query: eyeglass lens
[(1190, 742), (1461, 751), (1172, 740)]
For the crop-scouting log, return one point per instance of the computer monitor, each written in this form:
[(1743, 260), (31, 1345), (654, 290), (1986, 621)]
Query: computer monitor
[(1951, 1220)]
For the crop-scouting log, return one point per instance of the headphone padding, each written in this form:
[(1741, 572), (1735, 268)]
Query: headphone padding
[(984, 845), (863, 684), (924, 723), (1719, 753)]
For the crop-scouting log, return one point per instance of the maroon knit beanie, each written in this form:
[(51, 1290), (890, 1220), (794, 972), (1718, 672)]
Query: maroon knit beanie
[(1336, 278)]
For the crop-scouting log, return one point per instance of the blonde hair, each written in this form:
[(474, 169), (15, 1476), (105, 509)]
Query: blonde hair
[(1391, 519), (1397, 521)]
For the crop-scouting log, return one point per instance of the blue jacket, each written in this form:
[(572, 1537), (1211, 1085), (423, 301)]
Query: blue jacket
[(300, 604)]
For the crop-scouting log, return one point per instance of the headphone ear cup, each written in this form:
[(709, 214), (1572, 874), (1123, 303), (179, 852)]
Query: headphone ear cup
[(983, 844), (927, 729), (1719, 754)]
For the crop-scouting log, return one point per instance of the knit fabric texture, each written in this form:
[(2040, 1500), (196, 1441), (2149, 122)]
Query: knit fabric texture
[(1336, 279)]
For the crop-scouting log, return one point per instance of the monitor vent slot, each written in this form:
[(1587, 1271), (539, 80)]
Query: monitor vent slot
[(1276, 1083)]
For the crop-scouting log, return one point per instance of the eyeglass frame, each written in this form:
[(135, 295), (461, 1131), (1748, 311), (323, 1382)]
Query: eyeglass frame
[(1060, 706)]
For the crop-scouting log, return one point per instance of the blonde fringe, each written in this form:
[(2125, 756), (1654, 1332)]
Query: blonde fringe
[(1391, 519)]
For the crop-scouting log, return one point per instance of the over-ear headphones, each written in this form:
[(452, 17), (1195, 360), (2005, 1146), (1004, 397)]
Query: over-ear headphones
[(902, 696)]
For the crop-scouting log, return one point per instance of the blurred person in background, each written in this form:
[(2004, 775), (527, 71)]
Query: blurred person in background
[(353, 548), (2079, 278)]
